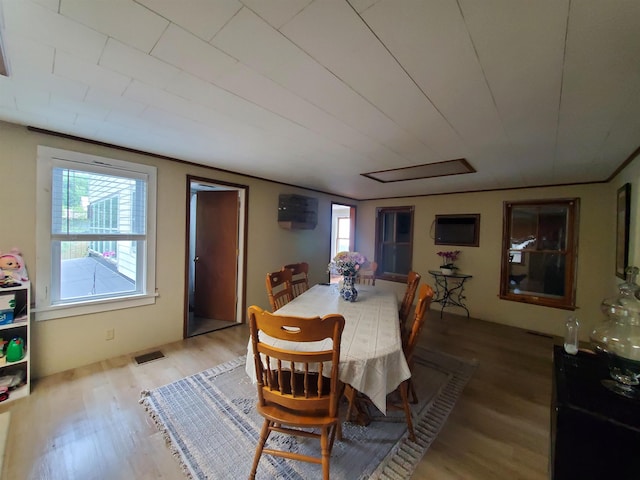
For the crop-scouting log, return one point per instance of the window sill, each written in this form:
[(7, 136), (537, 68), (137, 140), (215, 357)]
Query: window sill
[(539, 300), (87, 308)]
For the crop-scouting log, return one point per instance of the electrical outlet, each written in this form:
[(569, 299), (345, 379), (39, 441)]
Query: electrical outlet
[(111, 333)]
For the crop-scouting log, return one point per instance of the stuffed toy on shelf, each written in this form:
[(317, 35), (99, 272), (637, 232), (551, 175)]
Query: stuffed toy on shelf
[(12, 267)]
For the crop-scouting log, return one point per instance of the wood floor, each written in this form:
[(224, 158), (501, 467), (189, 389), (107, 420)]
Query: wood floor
[(87, 424)]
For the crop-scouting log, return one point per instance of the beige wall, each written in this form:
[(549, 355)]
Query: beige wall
[(61, 344), (595, 252), (65, 343)]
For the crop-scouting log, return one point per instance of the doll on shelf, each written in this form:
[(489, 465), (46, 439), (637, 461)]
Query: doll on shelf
[(12, 268)]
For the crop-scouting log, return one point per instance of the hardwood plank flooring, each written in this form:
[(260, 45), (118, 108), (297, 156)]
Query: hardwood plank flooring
[(86, 423)]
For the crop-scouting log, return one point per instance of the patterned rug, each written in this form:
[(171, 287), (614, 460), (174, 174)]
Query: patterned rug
[(211, 425)]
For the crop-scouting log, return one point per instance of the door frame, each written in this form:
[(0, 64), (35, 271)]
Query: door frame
[(243, 202)]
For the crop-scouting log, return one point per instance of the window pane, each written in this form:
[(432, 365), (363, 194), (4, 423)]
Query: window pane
[(524, 227), (89, 203), (87, 272), (396, 258), (403, 258), (343, 245), (388, 226), (344, 225), (388, 259), (553, 228), (403, 227), (543, 274)]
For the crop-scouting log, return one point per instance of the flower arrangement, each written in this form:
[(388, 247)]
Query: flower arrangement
[(449, 258), (346, 263)]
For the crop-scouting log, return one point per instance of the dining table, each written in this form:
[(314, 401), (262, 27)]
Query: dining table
[(371, 357)]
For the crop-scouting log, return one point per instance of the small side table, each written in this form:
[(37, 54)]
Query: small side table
[(450, 290)]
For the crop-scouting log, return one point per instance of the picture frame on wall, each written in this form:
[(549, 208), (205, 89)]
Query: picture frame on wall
[(623, 218)]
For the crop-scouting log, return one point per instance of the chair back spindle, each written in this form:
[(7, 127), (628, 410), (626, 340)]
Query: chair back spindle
[(279, 288), (299, 277)]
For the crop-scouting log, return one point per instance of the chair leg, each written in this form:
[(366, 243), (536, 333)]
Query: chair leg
[(350, 393), (264, 434), (412, 389), (326, 452), (407, 410)]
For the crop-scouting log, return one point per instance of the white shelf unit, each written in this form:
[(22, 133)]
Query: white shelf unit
[(21, 328)]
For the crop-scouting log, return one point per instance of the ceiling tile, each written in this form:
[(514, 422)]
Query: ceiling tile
[(602, 74), (277, 13), (192, 54), (67, 66), (124, 20), (43, 25), (355, 56), (203, 18), (449, 75), (135, 64), (27, 55)]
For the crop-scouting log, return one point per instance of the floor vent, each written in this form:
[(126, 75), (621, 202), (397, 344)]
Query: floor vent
[(147, 357)]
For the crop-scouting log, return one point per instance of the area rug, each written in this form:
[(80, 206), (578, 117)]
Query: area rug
[(211, 425)]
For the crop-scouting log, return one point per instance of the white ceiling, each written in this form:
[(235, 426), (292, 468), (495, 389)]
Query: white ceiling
[(315, 93)]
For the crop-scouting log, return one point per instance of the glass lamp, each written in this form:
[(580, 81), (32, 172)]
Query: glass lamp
[(617, 339)]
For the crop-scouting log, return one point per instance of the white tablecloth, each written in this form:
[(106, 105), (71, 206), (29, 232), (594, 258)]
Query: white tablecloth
[(371, 357)]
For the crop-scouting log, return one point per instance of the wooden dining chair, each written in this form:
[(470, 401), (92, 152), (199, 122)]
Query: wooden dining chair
[(299, 277), (425, 297), (297, 390), (279, 288), (413, 280), (367, 276), (408, 347)]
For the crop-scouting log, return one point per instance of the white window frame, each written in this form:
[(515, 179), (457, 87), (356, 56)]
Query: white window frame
[(50, 158)]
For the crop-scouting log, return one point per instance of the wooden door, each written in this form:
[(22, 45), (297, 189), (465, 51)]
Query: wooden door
[(216, 255)]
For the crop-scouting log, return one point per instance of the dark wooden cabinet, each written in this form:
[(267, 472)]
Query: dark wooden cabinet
[(595, 433)]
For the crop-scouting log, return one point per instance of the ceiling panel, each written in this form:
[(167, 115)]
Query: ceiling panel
[(436, 50), (602, 73), (524, 40), (124, 20), (191, 54), (203, 18), (277, 13), (133, 63), (40, 24)]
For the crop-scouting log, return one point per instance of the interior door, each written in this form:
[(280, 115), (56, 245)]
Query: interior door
[(216, 255)]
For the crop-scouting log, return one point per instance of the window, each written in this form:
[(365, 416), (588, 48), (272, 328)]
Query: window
[(343, 234), (95, 234), (539, 252), (394, 242)]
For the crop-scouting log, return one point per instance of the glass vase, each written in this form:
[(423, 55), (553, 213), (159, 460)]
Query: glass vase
[(617, 339), (348, 290)]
